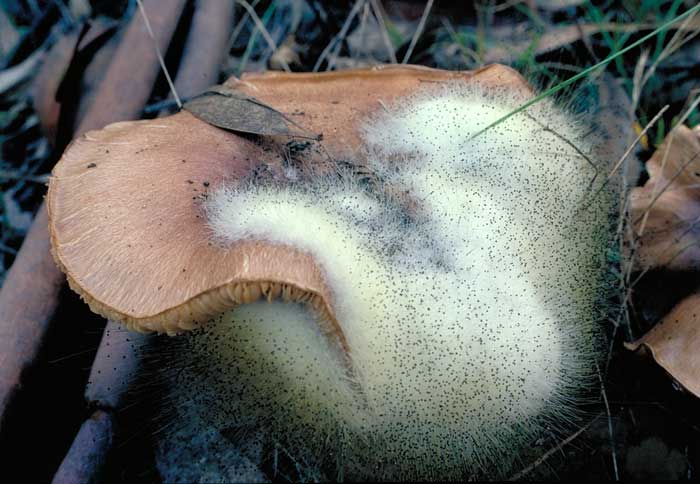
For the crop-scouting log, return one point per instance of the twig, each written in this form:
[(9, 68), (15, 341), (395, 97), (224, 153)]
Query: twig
[(573, 79), (205, 48), (637, 139), (610, 426), (9, 78), (629, 150), (341, 39), (363, 27), (7, 250), (341, 35), (159, 53), (638, 78), (673, 45), (385, 32), (551, 452), (658, 195), (418, 32), (565, 140), (163, 105), (239, 27), (8, 175), (261, 27)]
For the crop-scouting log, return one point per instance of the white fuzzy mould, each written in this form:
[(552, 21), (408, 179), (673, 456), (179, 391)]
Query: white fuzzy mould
[(470, 325)]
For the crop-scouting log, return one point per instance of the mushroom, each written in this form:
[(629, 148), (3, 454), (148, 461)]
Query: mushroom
[(396, 289), (97, 188)]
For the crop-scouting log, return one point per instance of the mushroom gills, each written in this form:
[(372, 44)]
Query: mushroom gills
[(471, 325)]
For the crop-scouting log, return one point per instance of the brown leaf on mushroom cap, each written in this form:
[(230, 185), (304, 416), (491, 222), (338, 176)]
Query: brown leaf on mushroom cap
[(230, 109), (674, 343), (665, 212), (126, 218)]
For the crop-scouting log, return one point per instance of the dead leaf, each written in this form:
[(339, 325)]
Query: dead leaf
[(287, 54), (665, 233), (665, 212), (230, 109), (675, 342)]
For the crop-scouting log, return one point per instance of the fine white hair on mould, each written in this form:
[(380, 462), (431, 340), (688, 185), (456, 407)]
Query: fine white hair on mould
[(471, 322)]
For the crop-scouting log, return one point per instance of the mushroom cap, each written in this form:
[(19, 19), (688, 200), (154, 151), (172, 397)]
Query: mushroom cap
[(125, 202)]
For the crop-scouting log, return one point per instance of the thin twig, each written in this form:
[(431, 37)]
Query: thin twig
[(261, 27), (8, 175), (339, 44), (463, 49), (610, 426), (8, 250), (158, 52), (239, 27), (519, 475), (379, 15), (14, 75), (565, 140), (676, 42), (638, 78), (637, 139), (573, 79), (628, 151), (341, 35), (655, 197), (363, 28), (418, 32)]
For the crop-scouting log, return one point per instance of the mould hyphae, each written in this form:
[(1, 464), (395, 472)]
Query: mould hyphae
[(470, 321)]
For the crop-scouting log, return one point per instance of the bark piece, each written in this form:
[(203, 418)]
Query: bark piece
[(89, 451)]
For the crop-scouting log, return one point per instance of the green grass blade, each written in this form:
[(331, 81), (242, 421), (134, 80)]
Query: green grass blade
[(584, 73)]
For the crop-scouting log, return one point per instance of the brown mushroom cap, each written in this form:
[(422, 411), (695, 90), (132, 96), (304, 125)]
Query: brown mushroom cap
[(125, 211)]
